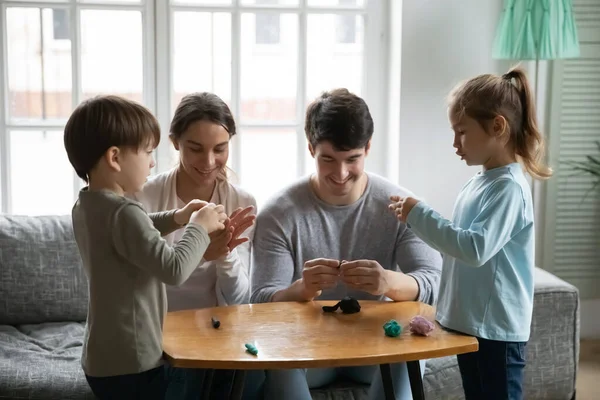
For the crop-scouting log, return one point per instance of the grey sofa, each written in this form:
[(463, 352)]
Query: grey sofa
[(43, 305)]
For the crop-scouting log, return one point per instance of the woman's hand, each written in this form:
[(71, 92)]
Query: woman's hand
[(239, 220), (225, 240), (218, 244)]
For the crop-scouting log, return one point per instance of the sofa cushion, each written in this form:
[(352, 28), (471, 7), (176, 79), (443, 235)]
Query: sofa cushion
[(442, 379), (42, 362), (341, 390), (41, 278), (553, 348)]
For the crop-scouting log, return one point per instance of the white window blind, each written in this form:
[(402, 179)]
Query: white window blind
[(572, 234)]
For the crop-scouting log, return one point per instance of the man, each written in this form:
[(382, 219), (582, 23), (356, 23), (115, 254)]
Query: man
[(330, 235)]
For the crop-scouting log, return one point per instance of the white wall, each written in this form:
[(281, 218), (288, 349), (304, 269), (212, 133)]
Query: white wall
[(443, 42)]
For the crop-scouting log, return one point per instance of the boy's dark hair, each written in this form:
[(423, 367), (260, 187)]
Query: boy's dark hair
[(101, 122), (201, 107), (341, 118)]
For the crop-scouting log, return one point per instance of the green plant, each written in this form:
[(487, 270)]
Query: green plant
[(591, 166)]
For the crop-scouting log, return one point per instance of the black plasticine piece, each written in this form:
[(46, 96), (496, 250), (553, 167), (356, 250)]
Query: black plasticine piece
[(349, 305)]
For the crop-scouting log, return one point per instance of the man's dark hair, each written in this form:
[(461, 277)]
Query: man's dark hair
[(341, 118)]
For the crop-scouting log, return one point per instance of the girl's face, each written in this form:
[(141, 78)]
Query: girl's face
[(476, 145), (203, 151)]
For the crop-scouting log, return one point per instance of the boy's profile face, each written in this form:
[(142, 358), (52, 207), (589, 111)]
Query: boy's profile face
[(135, 167), (338, 171)]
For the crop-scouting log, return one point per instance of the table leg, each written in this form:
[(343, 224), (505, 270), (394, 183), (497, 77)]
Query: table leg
[(208, 378), (388, 385), (237, 387), (416, 380)]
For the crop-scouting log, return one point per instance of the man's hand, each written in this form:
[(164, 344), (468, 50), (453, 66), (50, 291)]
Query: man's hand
[(319, 274), (239, 222), (365, 275), (401, 206), (183, 215)]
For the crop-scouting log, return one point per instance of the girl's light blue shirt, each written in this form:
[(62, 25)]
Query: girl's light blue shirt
[(486, 287)]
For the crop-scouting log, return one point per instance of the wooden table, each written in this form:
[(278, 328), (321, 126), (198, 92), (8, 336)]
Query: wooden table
[(301, 335)]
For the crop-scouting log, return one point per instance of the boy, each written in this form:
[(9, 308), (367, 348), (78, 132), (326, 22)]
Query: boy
[(109, 141)]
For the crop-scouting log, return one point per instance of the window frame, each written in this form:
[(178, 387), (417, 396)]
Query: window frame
[(157, 24), (74, 8)]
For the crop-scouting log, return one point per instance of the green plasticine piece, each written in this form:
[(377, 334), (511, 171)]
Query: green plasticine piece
[(250, 348), (392, 328)]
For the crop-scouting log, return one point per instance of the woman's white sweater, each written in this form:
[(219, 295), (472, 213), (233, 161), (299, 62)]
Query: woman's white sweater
[(214, 283)]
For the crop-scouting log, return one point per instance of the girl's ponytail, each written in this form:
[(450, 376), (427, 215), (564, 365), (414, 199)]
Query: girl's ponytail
[(529, 142)]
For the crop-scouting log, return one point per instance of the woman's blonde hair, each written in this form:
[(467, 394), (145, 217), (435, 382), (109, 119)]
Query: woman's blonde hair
[(487, 96)]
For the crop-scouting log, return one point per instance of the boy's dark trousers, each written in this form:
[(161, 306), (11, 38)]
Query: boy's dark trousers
[(495, 372), (162, 383)]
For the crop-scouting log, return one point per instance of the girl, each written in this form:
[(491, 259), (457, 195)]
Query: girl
[(486, 288)]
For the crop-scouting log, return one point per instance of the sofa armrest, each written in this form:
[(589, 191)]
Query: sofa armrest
[(553, 348)]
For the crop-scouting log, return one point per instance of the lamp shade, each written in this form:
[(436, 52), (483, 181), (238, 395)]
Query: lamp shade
[(536, 30)]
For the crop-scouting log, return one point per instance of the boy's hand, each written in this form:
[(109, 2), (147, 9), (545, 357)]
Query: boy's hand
[(183, 215), (401, 206), (211, 217)]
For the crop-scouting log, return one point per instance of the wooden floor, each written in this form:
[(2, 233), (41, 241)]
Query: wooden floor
[(588, 376)]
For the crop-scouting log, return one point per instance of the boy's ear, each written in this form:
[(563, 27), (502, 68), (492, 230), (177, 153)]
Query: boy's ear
[(311, 149), (113, 157), (368, 147)]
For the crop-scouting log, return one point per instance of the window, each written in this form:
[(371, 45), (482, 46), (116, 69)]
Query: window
[(267, 25), (267, 28), (60, 19), (157, 51), (346, 25)]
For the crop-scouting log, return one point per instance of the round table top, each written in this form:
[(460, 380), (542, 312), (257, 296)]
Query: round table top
[(301, 335)]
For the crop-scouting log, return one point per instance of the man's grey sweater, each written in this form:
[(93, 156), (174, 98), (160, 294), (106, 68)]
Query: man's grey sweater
[(296, 226)]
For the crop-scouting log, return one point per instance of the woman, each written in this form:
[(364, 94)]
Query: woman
[(201, 129)]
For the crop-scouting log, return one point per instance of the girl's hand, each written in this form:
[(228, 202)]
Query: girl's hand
[(401, 206)]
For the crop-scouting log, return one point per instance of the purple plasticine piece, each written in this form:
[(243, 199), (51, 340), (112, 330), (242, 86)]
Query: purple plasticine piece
[(421, 325)]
